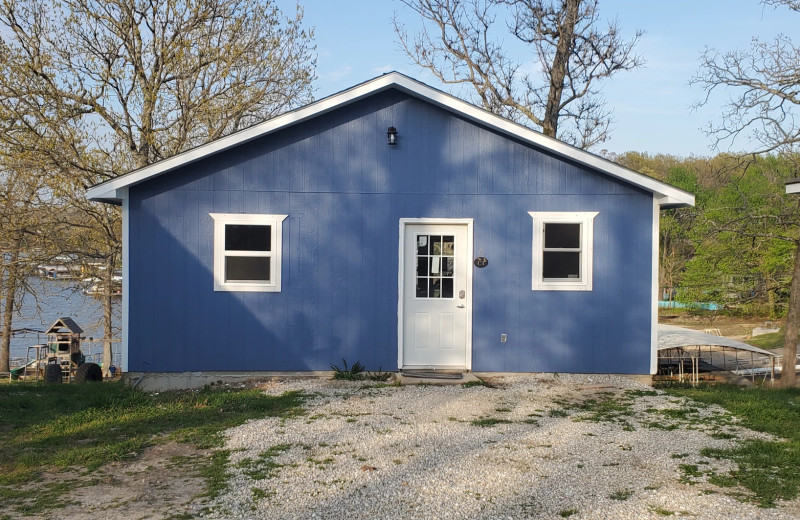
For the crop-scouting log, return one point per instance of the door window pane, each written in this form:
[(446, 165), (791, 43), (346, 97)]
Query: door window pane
[(422, 244), (422, 287), (447, 266), (422, 266), (447, 287), (447, 245), (436, 245), (434, 288)]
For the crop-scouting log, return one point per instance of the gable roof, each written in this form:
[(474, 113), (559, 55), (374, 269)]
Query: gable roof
[(64, 323), (115, 190)]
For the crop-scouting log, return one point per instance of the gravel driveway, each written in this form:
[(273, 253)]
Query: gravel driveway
[(532, 446)]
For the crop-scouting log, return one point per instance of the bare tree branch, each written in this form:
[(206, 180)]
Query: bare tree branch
[(557, 91)]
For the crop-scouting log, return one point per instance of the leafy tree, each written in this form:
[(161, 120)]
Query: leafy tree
[(764, 96), (101, 87), (571, 57)]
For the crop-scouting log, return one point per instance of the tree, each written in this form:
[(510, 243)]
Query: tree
[(101, 87), (571, 58), (764, 88), (26, 226)]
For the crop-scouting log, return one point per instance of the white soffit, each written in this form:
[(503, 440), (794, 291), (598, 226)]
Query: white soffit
[(666, 195)]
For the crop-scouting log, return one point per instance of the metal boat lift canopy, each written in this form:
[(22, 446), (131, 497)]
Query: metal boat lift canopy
[(676, 344)]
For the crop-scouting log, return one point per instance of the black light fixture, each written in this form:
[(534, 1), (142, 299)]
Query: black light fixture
[(391, 135)]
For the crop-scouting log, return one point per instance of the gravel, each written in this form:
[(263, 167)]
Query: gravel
[(515, 450)]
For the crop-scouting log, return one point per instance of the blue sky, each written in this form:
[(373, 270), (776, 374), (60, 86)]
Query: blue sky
[(652, 106)]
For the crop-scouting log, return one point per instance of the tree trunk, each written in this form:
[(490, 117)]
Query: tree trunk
[(792, 327), (108, 333), (8, 311), (558, 70)]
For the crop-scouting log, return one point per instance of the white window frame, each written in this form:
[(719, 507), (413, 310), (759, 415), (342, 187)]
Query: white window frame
[(275, 254), (586, 220)]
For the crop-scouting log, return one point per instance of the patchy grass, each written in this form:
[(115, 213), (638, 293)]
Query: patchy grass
[(470, 384), (622, 494), (768, 470), (566, 513), (487, 422), (82, 427), (661, 511)]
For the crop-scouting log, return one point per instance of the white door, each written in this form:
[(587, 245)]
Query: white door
[(435, 313)]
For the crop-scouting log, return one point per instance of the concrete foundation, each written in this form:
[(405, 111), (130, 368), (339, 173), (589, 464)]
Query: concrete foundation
[(165, 381)]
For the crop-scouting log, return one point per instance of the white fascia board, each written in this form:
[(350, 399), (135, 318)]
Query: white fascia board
[(670, 195)]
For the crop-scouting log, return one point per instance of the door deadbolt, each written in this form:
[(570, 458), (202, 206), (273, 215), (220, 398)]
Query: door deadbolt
[(462, 294)]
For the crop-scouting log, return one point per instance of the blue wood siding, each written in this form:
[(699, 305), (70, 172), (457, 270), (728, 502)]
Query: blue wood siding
[(344, 191)]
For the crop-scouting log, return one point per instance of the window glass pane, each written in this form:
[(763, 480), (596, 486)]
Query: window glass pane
[(246, 237), (434, 288), (447, 245), (562, 236), (561, 264), (247, 269), (447, 287), (422, 244), (436, 244), (435, 265), (447, 266), (422, 266), (422, 287)]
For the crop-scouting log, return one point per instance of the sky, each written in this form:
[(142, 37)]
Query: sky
[(652, 106)]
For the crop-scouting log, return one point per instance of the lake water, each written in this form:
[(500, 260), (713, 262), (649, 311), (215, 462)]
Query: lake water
[(55, 299)]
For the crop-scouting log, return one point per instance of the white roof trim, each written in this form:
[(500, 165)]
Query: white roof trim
[(793, 186), (666, 195)]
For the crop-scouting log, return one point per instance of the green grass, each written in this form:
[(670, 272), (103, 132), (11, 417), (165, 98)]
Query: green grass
[(769, 470), (82, 427), (768, 341)]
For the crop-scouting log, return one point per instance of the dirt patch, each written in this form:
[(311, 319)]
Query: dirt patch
[(161, 483)]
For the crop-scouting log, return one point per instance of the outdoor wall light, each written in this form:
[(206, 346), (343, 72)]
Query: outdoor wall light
[(391, 135)]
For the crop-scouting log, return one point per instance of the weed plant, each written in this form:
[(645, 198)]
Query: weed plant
[(357, 372)]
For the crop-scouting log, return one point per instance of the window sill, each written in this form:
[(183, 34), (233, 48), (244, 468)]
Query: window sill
[(562, 286), (246, 287)]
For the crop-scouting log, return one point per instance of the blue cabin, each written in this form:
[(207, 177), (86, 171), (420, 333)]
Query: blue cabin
[(396, 225)]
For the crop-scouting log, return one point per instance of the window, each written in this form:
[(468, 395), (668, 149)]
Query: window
[(562, 250), (247, 252), (435, 263)]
